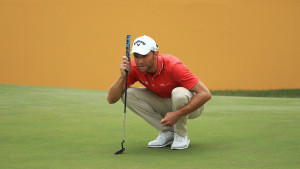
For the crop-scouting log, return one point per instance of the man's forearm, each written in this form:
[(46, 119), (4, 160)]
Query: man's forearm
[(197, 101), (116, 90)]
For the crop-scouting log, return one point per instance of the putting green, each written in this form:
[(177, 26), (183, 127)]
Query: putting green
[(43, 127)]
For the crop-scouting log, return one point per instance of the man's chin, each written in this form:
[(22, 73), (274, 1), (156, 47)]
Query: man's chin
[(142, 70)]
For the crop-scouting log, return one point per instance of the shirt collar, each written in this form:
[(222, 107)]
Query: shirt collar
[(160, 65)]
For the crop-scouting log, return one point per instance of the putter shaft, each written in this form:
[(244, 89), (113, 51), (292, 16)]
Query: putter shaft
[(125, 102)]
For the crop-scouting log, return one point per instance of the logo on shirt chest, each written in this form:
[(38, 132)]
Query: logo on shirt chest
[(155, 83), (166, 84), (144, 81)]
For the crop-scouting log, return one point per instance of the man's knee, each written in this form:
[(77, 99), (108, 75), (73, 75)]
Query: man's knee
[(181, 94), (180, 97)]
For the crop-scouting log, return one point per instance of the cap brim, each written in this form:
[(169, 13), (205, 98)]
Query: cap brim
[(140, 51)]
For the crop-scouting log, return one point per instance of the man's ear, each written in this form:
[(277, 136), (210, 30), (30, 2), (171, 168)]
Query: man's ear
[(156, 53)]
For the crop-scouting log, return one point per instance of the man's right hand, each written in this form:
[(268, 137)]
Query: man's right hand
[(125, 65)]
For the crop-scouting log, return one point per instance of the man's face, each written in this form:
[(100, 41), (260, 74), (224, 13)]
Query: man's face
[(146, 63)]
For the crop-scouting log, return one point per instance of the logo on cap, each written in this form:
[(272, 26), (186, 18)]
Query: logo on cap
[(139, 42)]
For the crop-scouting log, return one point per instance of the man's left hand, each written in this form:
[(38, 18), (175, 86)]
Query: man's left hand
[(170, 119)]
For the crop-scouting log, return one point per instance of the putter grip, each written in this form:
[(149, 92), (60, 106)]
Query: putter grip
[(128, 46)]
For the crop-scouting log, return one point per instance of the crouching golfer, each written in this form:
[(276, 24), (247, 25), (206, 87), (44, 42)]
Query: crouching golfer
[(172, 94)]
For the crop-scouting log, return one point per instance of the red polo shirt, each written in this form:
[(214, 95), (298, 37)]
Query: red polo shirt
[(171, 73)]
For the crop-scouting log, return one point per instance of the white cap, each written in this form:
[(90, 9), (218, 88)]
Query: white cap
[(143, 45)]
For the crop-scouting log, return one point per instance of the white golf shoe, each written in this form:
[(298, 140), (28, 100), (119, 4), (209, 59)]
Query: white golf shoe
[(180, 142), (163, 139)]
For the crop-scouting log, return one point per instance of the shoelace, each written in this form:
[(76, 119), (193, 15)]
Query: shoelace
[(178, 137), (160, 136)]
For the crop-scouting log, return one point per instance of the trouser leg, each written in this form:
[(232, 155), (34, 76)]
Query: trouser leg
[(181, 97), (149, 106)]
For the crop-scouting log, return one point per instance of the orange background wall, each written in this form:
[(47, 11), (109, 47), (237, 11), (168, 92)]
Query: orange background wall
[(228, 44)]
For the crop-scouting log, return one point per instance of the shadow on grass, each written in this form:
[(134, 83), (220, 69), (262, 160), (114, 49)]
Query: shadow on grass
[(194, 148)]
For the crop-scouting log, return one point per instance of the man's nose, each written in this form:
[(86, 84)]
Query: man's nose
[(140, 60)]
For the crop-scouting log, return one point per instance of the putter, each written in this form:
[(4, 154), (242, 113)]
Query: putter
[(125, 102)]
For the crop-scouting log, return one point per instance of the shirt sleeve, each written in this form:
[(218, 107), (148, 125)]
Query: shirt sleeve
[(183, 76)]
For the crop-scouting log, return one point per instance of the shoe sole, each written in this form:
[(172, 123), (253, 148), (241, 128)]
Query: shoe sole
[(160, 146), (181, 148)]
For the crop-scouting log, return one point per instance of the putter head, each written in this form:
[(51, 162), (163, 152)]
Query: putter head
[(120, 151)]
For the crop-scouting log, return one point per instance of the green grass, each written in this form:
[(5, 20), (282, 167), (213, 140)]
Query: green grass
[(284, 93), (42, 127)]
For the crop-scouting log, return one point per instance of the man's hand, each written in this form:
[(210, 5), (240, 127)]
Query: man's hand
[(170, 119), (125, 65), (116, 90)]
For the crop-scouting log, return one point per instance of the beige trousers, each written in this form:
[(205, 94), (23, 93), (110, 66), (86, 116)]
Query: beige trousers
[(153, 108)]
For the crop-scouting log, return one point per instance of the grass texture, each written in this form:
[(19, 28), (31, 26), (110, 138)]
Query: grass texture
[(43, 127), (284, 93)]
